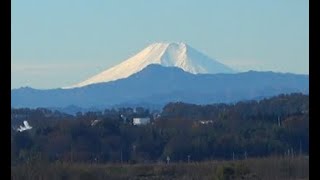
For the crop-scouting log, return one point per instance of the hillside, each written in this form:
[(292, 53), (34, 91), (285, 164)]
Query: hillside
[(275, 126), (156, 84)]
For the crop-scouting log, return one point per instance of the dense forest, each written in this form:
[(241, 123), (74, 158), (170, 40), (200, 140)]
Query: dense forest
[(277, 126)]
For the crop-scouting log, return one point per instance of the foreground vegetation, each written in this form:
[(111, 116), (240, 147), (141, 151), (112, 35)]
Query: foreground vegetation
[(296, 168), (265, 139), (276, 126)]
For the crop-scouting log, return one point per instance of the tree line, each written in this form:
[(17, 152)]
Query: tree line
[(184, 132)]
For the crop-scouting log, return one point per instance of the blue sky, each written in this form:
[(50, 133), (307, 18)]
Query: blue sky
[(56, 43)]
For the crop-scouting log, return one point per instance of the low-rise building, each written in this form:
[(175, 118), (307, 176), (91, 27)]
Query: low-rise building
[(141, 121)]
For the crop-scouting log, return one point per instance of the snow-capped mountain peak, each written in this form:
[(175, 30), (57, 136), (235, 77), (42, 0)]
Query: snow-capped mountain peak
[(175, 54)]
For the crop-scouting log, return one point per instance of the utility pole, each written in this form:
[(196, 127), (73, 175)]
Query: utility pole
[(121, 155), (134, 151), (71, 153), (300, 149)]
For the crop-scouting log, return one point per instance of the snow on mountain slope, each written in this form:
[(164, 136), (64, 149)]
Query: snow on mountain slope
[(166, 54)]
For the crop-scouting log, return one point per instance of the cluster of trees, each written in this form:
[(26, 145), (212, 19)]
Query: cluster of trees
[(184, 132)]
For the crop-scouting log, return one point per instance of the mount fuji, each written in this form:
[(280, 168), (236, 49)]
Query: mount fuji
[(158, 85), (163, 73), (173, 54)]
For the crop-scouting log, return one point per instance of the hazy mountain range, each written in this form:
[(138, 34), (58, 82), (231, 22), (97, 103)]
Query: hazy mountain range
[(162, 73)]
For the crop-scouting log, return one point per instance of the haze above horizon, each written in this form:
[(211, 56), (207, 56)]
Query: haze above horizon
[(59, 43)]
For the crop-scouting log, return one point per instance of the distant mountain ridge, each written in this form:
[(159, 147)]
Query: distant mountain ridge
[(175, 54), (156, 84)]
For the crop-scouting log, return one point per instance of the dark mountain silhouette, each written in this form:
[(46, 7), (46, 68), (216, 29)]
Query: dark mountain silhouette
[(156, 84)]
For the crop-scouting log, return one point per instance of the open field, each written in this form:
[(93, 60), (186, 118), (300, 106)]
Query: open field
[(258, 168)]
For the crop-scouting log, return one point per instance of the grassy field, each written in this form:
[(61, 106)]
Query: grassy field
[(259, 168)]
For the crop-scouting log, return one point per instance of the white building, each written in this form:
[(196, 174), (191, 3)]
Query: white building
[(93, 123), (206, 121), (141, 121)]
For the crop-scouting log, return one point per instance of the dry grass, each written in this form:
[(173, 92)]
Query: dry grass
[(262, 168)]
